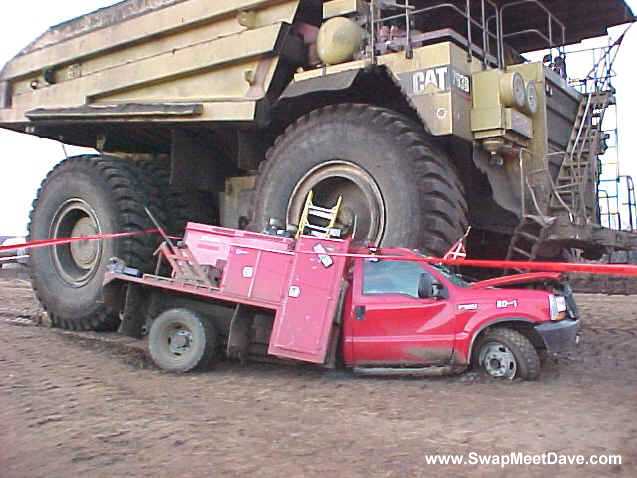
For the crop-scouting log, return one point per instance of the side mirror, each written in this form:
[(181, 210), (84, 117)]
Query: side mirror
[(425, 286), (429, 288)]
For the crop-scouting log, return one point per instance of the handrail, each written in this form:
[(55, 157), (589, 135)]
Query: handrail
[(551, 18), (487, 35), (482, 23)]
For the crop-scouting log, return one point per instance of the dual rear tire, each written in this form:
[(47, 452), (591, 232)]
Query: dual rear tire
[(92, 195), (87, 196)]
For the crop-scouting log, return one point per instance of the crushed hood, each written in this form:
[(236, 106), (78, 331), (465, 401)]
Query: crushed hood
[(518, 280)]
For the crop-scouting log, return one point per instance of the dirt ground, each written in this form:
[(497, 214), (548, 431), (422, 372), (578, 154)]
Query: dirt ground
[(93, 405)]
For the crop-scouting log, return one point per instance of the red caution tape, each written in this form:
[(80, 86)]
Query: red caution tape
[(624, 270), (69, 240)]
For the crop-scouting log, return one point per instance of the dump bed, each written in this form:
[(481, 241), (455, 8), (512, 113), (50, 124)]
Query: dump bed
[(165, 60)]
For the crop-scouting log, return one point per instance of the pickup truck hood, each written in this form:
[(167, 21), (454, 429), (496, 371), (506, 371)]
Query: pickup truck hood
[(518, 279)]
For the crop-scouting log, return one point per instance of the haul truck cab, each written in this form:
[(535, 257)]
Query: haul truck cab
[(247, 295)]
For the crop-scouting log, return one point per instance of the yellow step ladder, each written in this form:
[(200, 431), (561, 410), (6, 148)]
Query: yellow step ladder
[(328, 215)]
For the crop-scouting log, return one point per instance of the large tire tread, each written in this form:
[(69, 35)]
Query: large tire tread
[(130, 193), (180, 206), (439, 184)]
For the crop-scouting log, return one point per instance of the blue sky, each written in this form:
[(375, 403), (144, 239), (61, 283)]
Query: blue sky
[(25, 160)]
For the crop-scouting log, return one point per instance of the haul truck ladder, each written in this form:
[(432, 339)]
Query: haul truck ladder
[(579, 172), (580, 168)]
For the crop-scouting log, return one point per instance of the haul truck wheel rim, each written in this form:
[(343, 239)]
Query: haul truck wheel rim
[(363, 204), (76, 263), (498, 360)]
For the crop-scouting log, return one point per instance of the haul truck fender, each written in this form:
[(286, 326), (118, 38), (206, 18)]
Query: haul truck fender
[(362, 84)]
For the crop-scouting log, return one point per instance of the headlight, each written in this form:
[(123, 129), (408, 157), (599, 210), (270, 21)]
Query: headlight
[(557, 307), (513, 90), (531, 98)]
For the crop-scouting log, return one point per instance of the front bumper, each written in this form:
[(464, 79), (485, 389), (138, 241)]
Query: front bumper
[(559, 336)]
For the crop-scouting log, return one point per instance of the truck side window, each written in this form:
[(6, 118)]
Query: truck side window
[(391, 277)]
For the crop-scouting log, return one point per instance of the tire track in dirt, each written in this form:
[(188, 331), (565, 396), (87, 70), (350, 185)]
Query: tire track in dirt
[(89, 404)]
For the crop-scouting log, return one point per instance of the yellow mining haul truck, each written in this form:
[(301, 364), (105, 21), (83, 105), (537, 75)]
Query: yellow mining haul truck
[(423, 115)]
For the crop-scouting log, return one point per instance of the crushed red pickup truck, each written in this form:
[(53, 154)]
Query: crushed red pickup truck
[(243, 295)]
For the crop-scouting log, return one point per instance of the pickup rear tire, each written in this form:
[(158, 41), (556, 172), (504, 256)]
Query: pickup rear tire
[(181, 341), (86, 195), (506, 353), (401, 187)]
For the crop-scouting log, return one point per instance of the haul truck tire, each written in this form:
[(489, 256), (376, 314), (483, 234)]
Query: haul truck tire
[(88, 195), (402, 190), (179, 205)]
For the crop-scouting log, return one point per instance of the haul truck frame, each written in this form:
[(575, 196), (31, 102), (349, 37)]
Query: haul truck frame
[(423, 116)]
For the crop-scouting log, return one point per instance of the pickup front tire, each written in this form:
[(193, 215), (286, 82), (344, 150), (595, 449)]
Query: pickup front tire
[(505, 353)]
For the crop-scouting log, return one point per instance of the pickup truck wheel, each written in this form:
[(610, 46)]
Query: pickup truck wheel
[(87, 195), (506, 353), (398, 187), (180, 341)]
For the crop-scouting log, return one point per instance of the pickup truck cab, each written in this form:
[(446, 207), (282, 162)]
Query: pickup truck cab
[(244, 295), (408, 314)]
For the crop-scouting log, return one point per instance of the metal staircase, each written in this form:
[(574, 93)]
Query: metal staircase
[(579, 172), (528, 238)]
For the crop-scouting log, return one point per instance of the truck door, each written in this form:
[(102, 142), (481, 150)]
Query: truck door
[(391, 325), (304, 325)]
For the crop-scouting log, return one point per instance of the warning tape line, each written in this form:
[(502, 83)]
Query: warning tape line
[(38, 244), (624, 270)]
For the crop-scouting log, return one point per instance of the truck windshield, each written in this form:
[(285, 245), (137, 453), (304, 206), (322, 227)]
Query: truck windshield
[(450, 276), (391, 277)]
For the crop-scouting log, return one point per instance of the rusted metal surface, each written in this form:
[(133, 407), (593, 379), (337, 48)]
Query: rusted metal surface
[(124, 111), (102, 18)]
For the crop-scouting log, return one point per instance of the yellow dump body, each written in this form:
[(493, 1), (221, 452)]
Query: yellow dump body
[(186, 61), (211, 84)]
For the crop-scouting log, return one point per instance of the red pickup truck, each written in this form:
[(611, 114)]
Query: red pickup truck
[(244, 295)]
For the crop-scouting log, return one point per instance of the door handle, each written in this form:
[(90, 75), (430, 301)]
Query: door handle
[(359, 311)]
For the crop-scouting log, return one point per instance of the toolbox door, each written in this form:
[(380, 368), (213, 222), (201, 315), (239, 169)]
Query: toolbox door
[(304, 324)]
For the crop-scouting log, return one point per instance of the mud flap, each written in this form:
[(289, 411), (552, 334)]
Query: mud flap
[(133, 315), (239, 335)]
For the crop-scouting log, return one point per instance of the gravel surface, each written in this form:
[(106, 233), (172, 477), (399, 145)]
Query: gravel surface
[(93, 405)]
